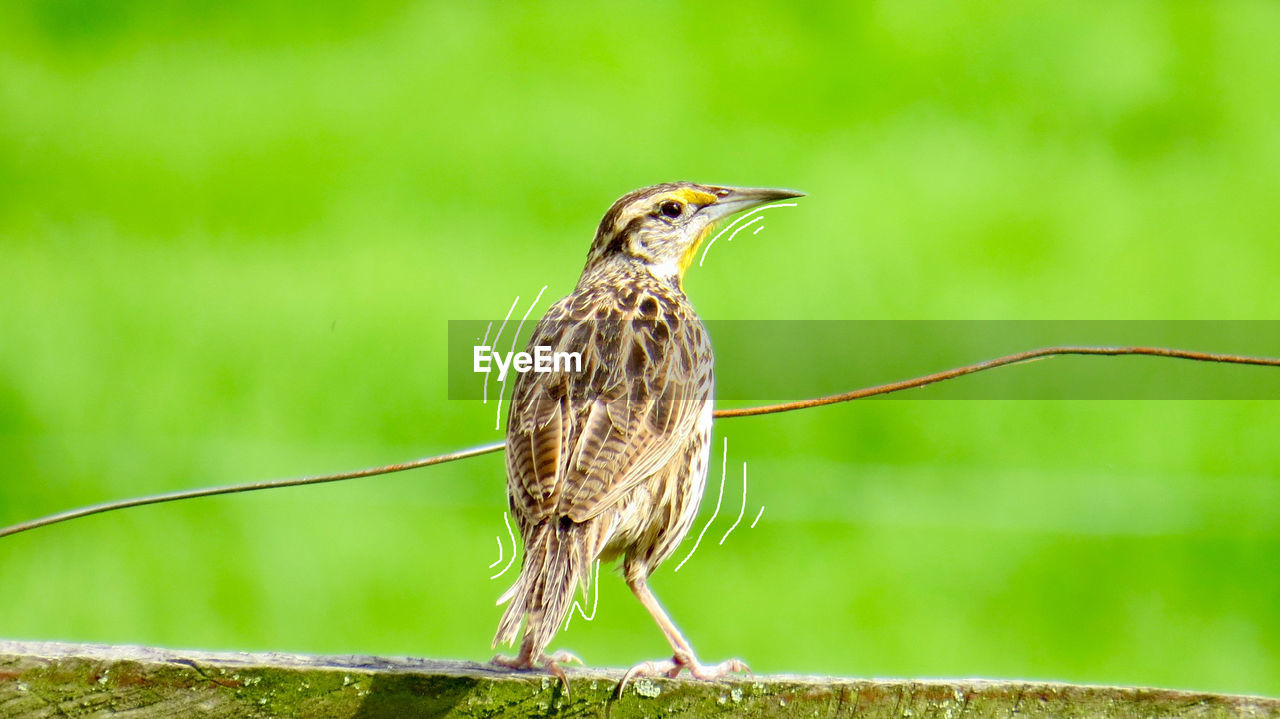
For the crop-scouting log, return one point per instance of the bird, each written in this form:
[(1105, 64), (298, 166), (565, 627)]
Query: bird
[(608, 459)]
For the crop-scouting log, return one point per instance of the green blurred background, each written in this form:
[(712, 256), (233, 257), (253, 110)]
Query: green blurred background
[(232, 233)]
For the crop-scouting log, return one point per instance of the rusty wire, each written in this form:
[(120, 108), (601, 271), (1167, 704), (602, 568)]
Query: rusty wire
[(863, 393)]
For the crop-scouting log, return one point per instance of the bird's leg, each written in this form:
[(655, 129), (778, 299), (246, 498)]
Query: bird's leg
[(683, 657)]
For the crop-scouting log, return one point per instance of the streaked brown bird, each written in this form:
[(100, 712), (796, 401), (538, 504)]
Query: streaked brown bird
[(611, 461)]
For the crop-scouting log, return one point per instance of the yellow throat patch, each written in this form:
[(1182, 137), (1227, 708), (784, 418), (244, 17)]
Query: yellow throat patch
[(691, 196)]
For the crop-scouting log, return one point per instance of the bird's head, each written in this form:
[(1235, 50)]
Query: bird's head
[(661, 227)]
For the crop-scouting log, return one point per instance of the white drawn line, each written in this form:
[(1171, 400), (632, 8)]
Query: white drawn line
[(501, 327), (754, 220), (757, 519), (724, 459), (731, 225), (740, 228), (497, 421), (594, 604), (511, 534), (761, 227), (742, 510), (500, 554), (485, 391)]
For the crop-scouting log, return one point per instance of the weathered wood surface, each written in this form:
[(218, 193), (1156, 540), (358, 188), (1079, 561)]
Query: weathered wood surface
[(82, 680)]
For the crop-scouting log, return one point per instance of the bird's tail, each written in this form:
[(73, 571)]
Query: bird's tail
[(556, 562)]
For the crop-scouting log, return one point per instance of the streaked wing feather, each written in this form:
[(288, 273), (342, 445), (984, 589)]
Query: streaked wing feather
[(614, 424), (639, 427)]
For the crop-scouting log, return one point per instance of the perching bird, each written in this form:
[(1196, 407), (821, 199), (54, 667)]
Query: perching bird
[(612, 460)]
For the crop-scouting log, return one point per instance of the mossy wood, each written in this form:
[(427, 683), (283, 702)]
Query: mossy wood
[(81, 680)]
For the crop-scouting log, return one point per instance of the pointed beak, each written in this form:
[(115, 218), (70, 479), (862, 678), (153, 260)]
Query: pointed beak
[(732, 200)]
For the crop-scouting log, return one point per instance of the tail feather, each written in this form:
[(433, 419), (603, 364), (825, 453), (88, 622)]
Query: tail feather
[(555, 564)]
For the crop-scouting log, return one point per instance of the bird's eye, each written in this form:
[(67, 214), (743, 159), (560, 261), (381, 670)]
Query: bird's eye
[(671, 210)]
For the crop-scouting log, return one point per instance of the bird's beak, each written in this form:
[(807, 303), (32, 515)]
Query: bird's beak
[(732, 200)]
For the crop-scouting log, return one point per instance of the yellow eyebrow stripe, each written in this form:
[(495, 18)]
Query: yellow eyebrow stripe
[(694, 197)]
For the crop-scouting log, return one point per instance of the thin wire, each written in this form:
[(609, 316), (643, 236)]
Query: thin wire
[(247, 487), (720, 414), (992, 364)]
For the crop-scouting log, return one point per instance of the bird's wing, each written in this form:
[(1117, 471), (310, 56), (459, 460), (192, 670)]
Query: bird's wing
[(578, 441), (539, 427)]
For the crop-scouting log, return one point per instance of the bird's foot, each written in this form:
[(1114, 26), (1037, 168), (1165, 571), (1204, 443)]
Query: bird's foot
[(529, 662), (551, 662), (672, 667)]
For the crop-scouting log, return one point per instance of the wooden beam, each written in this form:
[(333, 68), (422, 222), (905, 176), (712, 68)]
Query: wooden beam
[(43, 679)]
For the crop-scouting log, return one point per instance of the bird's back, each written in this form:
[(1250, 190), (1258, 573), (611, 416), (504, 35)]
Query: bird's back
[(579, 441)]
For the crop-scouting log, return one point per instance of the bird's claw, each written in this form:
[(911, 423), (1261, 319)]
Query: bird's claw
[(551, 662), (563, 657), (512, 662), (717, 671), (527, 662), (672, 667)]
